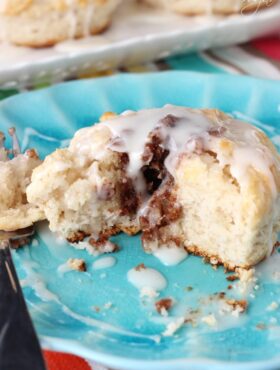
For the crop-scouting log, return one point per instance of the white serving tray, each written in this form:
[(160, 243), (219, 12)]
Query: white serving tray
[(138, 34)]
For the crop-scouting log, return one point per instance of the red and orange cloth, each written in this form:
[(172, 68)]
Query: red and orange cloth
[(270, 47), (63, 361), (60, 361)]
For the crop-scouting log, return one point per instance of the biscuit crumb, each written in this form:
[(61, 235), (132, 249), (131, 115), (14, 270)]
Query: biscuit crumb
[(189, 288), (209, 320), (107, 116), (173, 327), (140, 267), (31, 153), (261, 326), (214, 261), (237, 306), (76, 237), (103, 245), (245, 276), (108, 305), (77, 264), (273, 306), (232, 278), (163, 306)]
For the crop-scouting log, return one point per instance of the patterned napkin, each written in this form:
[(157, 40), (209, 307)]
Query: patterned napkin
[(259, 58), (62, 361)]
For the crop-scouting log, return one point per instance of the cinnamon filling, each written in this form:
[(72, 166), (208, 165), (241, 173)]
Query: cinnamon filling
[(162, 210), (128, 197), (154, 156)]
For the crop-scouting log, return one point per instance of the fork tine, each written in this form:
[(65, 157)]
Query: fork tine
[(16, 146), (19, 346)]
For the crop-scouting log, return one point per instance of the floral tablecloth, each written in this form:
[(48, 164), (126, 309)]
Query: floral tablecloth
[(259, 58)]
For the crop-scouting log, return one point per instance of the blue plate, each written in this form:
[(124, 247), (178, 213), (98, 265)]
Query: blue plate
[(124, 336)]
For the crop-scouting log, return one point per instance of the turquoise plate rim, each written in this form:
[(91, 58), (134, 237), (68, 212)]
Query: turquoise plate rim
[(120, 362)]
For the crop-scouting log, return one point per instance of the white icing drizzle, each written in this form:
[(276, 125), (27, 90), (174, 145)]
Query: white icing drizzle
[(72, 18), (63, 268), (209, 7), (170, 256), (132, 141), (130, 132), (3, 5), (248, 151), (104, 263), (34, 280), (238, 5), (87, 19), (146, 278), (108, 247), (270, 268), (104, 326), (31, 132)]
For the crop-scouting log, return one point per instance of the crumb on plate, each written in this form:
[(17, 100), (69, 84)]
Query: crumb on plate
[(209, 320), (77, 264), (163, 306), (140, 267), (173, 327)]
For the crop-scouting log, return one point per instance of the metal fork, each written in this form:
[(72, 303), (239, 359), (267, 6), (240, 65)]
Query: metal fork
[(19, 345)]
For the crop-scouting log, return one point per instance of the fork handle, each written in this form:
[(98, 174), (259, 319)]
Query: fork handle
[(19, 345)]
